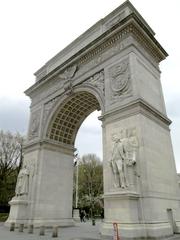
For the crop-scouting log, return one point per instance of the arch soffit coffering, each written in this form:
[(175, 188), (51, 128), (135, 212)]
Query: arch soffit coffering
[(69, 112)]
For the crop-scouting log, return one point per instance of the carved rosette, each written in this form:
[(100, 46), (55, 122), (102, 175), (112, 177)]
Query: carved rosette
[(120, 81), (34, 124), (97, 81)]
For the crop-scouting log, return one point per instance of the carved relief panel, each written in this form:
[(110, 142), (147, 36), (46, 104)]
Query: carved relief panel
[(97, 81), (34, 124), (25, 177), (67, 77), (120, 81), (124, 158), (48, 108)]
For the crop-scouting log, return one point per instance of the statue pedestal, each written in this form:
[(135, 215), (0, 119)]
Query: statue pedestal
[(76, 214), (121, 207), (18, 212), (128, 209)]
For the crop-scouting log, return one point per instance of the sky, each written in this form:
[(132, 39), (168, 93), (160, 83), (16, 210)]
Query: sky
[(33, 31)]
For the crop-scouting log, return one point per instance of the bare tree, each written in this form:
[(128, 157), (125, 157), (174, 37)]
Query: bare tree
[(10, 162)]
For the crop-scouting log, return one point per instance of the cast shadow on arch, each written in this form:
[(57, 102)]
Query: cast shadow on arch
[(69, 116)]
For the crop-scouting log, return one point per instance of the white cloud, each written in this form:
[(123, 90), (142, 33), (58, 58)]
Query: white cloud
[(14, 114)]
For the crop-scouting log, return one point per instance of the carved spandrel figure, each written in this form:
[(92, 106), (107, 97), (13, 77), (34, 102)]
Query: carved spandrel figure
[(67, 76), (118, 163), (22, 185)]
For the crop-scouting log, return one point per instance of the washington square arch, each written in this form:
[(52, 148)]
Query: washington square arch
[(112, 67)]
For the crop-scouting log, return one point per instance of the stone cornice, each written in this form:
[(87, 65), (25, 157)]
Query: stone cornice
[(115, 16), (131, 25), (121, 195), (135, 107), (48, 144)]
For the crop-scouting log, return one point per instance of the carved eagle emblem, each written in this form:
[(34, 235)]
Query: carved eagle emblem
[(68, 73)]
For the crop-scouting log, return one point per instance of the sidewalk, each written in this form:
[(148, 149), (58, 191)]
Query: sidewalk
[(79, 231)]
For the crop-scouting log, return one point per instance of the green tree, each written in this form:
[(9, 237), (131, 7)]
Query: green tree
[(90, 184), (10, 163)]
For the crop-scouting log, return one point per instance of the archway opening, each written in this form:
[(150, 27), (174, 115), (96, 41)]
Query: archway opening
[(65, 129), (89, 136), (88, 171)]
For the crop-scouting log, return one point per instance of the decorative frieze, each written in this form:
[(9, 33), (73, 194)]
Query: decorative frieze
[(105, 47), (118, 37), (112, 46)]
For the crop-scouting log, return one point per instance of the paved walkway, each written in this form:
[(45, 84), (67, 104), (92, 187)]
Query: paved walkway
[(79, 231)]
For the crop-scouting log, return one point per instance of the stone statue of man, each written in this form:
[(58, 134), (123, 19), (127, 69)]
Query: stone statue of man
[(118, 163), (22, 185)]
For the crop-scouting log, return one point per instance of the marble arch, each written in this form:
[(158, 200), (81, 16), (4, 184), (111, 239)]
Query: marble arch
[(113, 66)]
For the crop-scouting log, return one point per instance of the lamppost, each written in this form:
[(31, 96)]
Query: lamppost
[(76, 210), (77, 181)]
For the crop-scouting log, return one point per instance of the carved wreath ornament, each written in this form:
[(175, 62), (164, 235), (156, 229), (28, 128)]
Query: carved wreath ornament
[(120, 76)]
